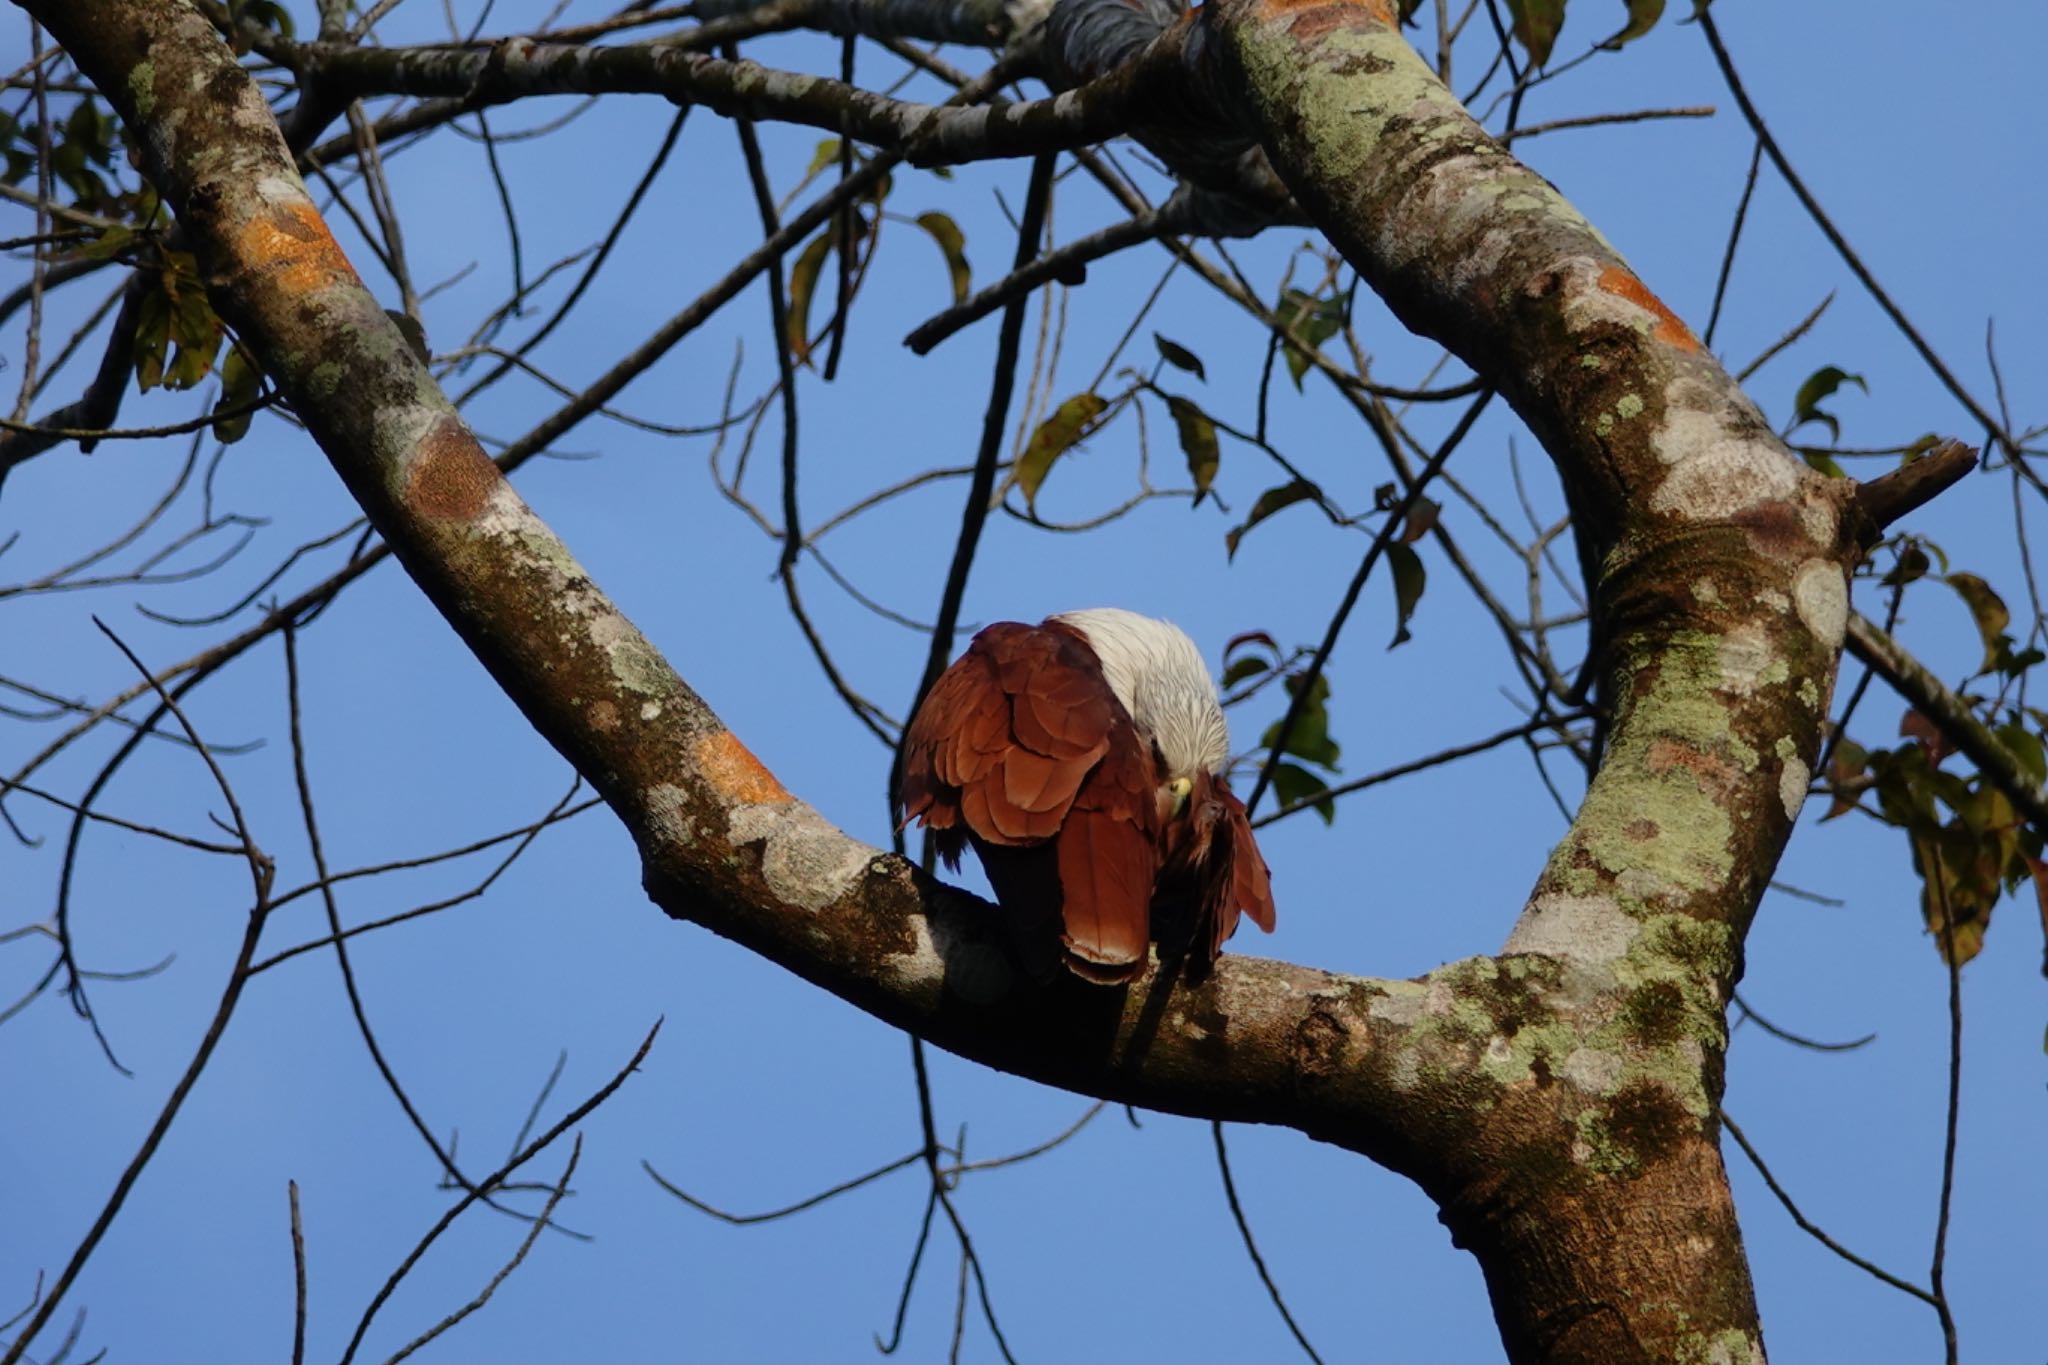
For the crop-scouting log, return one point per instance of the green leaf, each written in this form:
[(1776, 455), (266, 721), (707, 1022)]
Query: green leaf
[(1310, 737), (947, 234), (1292, 783), (1642, 17), (240, 381), (1055, 436), (1819, 460), (1270, 501), (1912, 565), (1819, 386), (1536, 25), (198, 332), (1409, 580), (2025, 747), (1236, 669), (152, 337), (1180, 357), (803, 285), (1987, 608), (1197, 442), (1244, 670), (1308, 321), (2013, 665), (827, 152)]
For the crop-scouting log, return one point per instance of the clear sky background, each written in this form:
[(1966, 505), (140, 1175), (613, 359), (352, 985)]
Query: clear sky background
[(1918, 128)]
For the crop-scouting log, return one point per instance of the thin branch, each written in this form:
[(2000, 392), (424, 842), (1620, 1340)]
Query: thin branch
[(1812, 1229), (1244, 1230), (1797, 1039), (1600, 120), (304, 784), (1992, 426), (261, 871), (810, 1202), (1937, 1272), (1553, 721), (555, 1195), (298, 1278), (490, 1183), (1727, 271), (1397, 517)]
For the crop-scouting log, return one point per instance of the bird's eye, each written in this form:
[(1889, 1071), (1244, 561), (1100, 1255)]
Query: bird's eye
[(1180, 787)]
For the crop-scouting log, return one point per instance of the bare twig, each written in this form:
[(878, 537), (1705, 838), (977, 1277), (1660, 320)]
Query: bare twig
[(555, 1195), (1813, 1229), (490, 1183), (261, 871), (1244, 1230)]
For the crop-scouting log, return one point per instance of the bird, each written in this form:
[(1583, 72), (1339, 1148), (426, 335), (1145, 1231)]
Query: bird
[(1085, 759)]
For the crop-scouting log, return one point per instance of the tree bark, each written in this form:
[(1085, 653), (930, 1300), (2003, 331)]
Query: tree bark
[(1558, 1101)]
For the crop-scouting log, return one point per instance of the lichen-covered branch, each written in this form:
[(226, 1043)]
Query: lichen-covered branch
[(931, 134), (976, 23), (1721, 602)]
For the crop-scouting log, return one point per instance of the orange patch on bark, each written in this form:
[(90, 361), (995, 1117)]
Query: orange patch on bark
[(290, 243), (450, 478), (1716, 776), (735, 773), (1623, 283)]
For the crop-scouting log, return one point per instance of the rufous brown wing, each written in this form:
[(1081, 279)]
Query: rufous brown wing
[(1022, 748)]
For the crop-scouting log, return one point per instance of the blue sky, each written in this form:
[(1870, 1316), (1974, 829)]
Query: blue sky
[(1920, 139)]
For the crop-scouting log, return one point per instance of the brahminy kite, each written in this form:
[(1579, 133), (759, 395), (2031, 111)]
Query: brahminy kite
[(1084, 759)]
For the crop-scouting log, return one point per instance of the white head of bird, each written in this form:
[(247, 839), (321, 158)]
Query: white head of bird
[(1160, 677)]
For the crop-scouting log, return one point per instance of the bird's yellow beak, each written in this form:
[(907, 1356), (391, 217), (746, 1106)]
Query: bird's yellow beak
[(1180, 787)]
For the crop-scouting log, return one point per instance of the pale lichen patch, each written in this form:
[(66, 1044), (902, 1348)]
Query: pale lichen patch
[(1821, 520), (668, 815), (805, 860), (1822, 598), (1587, 929), (1793, 780), (1399, 1002), (962, 967), (1723, 477), (1593, 1069), (1729, 1346), (1745, 654)]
